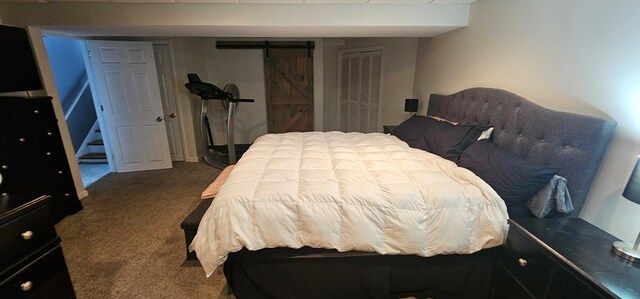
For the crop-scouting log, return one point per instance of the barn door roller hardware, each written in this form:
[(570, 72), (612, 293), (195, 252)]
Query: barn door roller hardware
[(266, 45)]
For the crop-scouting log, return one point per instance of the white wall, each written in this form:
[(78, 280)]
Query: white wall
[(318, 85), (573, 55), (187, 58), (330, 67), (245, 69)]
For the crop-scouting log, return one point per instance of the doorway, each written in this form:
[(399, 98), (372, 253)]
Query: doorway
[(289, 90), (123, 77), (69, 70), (71, 80)]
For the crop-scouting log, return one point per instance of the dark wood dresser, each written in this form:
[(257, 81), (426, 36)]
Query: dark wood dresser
[(563, 258), (31, 261), (32, 157)]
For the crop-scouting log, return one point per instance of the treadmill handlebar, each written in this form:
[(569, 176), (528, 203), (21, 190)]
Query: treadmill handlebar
[(208, 91)]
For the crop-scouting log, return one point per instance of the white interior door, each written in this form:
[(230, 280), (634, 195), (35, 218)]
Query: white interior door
[(171, 115), (124, 78)]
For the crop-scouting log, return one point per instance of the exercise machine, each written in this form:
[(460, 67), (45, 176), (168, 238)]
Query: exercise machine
[(218, 156)]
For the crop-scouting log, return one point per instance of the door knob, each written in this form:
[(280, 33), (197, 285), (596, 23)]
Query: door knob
[(173, 115), (159, 118)]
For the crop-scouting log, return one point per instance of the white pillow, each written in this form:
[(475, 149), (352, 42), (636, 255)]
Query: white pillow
[(486, 134)]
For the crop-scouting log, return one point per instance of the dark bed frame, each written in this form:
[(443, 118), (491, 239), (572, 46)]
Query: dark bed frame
[(574, 143)]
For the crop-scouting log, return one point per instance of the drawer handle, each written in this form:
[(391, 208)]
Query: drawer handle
[(26, 286), (48, 153), (49, 134), (5, 166), (27, 235), (22, 140), (36, 111), (522, 262)]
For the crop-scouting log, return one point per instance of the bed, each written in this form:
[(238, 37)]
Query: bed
[(360, 259)]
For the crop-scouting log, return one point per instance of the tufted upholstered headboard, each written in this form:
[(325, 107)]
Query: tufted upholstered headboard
[(574, 143)]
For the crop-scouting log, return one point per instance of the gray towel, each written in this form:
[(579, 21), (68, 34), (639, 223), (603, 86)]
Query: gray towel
[(553, 197)]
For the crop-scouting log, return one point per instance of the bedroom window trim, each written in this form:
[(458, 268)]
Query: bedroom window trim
[(355, 125)]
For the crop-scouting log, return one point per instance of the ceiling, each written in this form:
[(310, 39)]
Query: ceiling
[(240, 18), (262, 1)]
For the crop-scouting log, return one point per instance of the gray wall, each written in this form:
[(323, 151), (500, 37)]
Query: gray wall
[(70, 76), (65, 58)]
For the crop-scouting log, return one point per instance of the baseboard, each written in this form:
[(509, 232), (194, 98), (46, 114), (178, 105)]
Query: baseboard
[(83, 194), (194, 159)]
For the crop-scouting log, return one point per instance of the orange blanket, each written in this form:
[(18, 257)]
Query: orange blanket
[(213, 189)]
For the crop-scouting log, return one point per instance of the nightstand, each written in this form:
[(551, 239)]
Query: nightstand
[(388, 129), (562, 258)]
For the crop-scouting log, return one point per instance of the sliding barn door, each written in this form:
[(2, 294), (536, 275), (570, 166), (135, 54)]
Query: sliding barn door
[(289, 90), (359, 91)]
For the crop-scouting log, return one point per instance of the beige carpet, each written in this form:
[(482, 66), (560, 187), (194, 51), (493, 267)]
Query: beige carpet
[(127, 242)]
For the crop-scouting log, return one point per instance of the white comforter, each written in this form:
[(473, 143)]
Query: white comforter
[(348, 191)]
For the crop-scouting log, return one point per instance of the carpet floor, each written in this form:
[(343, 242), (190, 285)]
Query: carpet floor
[(127, 241)]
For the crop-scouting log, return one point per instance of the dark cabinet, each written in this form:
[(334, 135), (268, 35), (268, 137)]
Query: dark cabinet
[(32, 264), (562, 258), (32, 157)]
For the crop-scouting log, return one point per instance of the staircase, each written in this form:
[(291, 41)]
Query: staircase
[(93, 148)]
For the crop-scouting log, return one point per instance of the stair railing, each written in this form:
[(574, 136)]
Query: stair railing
[(77, 98), (84, 148)]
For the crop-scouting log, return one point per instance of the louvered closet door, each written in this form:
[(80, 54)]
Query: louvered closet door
[(360, 75)]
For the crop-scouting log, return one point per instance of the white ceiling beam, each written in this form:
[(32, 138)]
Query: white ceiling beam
[(395, 2), (241, 20)]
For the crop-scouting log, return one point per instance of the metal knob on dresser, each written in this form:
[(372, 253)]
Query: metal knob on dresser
[(522, 262), (32, 264), (27, 235)]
